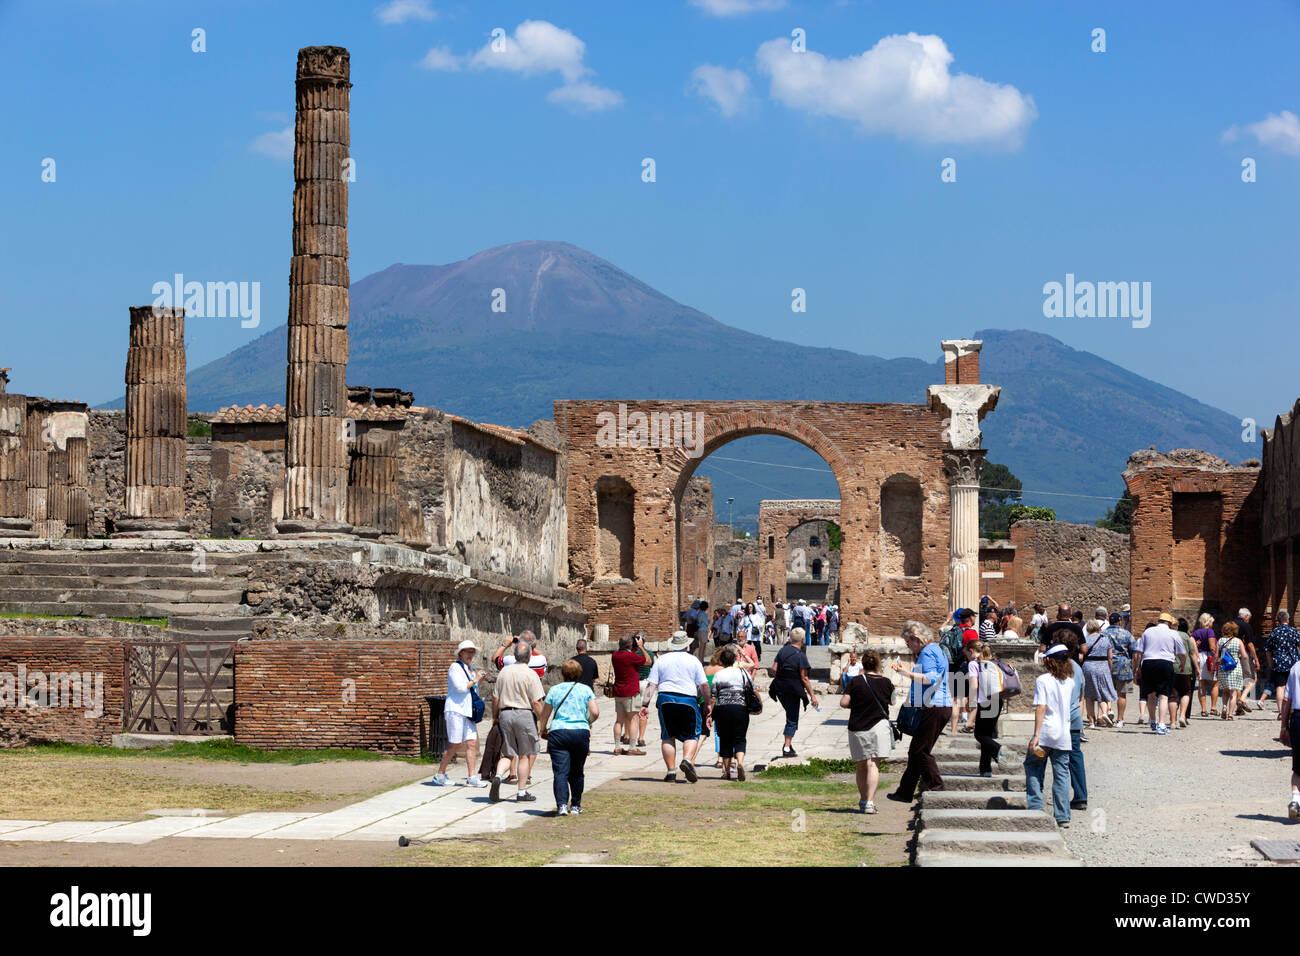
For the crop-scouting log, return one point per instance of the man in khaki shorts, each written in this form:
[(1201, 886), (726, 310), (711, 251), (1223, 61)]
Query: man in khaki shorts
[(516, 706)]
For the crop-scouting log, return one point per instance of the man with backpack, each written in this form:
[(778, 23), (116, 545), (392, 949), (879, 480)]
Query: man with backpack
[(950, 639)]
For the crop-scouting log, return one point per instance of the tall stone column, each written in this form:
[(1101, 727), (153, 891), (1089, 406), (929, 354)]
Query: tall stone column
[(155, 425), (14, 522), (316, 441), (37, 443), (963, 470)]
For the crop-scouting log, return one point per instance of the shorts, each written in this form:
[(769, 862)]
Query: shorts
[(878, 741), (459, 727), (1183, 685), (1294, 727), (1121, 686), (1158, 678), (519, 737), (1280, 676), (679, 717), (626, 705), (1247, 668)]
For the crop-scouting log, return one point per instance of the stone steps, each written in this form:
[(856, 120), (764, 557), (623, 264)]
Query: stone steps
[(999, 782), (1002, 820), (931, 858), (1027, 844), (11, 597), (973, 800)]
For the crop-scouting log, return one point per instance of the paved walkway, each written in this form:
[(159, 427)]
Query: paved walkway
[(422, 811)]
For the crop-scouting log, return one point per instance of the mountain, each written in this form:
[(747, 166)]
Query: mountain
[(576, 326)]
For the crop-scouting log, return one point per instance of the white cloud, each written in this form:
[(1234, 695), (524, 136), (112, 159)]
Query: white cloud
[(277, 144), (585, 97), (1280, 131), (440, 58), (400, 11), (536, 47), (901, 86), (735, 8), (728, 89)]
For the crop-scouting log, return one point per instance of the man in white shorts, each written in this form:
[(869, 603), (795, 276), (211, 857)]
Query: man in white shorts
[(516, 706), (458, 713)]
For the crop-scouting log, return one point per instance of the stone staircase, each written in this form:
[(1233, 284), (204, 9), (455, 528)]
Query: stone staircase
[(200, 601), (983, 821)]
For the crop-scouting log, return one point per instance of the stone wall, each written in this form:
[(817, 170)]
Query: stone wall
[(246, 480), (1280, 511), (1196, 536), (695, 560), (102, 658), (786, 554), (1055, 561), (353, 694), (731, 557)]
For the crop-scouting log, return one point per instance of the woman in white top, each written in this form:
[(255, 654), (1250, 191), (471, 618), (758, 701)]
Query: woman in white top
[(1051, 741), (730, 716), (462, 684), (1014, 630)]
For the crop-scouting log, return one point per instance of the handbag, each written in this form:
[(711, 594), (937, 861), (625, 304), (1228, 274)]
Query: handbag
[(894, 729), (909, 719), (476, 706), (545, 731), (753, 703), (1227, 662)]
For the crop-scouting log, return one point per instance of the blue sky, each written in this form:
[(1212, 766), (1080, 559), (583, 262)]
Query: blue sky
[(818, 173)]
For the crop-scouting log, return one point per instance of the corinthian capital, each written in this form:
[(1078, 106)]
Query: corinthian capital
[(964, 467)]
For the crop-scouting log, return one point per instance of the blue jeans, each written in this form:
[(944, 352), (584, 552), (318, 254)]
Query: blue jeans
[(1036, 769), (568, 750), (1078, 778)]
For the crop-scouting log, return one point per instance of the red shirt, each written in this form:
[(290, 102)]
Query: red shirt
[(968, 635), (627, 677)]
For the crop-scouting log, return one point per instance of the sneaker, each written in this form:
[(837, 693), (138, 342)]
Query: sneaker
[(1182, 721), (789, 753), (670, 777), (475, 782), (562, 810), (868, 807), (495, 793), (1161, 729), (440, 780), (1152, 723), (1118, 725), (1063, 824), (1078, 804), (740, 773), (636, 752), (688, 769), (523, 796), (1293, 810), (896, 796), (574, 811)]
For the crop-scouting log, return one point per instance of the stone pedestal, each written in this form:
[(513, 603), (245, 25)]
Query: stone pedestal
[(316, 441), (963, 469), (155, 425)]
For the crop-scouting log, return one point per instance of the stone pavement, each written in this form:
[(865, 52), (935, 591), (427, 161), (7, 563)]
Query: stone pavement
[(422, 811)]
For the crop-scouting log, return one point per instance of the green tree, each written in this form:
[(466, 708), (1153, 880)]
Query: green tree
[(1120, 517), (999, 492), (1029, 513), (834, 536)]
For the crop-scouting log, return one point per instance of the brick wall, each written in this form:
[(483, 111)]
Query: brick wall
[(865, 445), (695, 541), (294, 693), (1057, 561), (28, 657), (777, 520), (1196, 536)]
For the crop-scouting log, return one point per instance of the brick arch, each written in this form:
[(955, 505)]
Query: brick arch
[(862, 443)]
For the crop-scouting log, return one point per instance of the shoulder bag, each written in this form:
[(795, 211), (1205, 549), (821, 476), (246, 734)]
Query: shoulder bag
[(545, 732), (893, 725), (476, 705), (753, 703)]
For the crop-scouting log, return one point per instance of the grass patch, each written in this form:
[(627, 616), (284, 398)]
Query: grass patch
[(220, 750), (814, 769), (198, 428)]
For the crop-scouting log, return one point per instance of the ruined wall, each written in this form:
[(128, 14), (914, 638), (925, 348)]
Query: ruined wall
[(695, 559), (1196, 535), (421, 476), (246, 479), (1053, 561), (865, 446), (1280, 511), (99, 657), (368, 695), (732, 556), (505, 506), (786, 553)]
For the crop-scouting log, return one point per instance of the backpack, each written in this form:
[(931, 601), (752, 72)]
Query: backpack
[(950, 640), (692, 624), (1010, 681)]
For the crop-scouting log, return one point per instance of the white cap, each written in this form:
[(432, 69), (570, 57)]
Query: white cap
[(465, 646)]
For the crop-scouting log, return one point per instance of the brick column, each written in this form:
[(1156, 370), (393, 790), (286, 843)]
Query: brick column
[(14, 522), (963, 469), (316, 443), (155, 425)]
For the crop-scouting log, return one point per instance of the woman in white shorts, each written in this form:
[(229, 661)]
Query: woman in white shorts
[(867, 698), (462, 685)]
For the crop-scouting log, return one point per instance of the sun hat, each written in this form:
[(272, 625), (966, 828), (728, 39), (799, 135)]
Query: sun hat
[(679, 641), (1168, 618), (1124, 609), (1057, 650), (465, 646)]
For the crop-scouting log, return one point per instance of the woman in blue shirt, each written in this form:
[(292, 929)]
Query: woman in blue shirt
[(929, 691), (568, 712)]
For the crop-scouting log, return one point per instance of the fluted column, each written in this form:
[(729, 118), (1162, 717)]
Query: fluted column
[(155, 425), (316, 441), (372, 483), (963, 469), (14, 522)]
